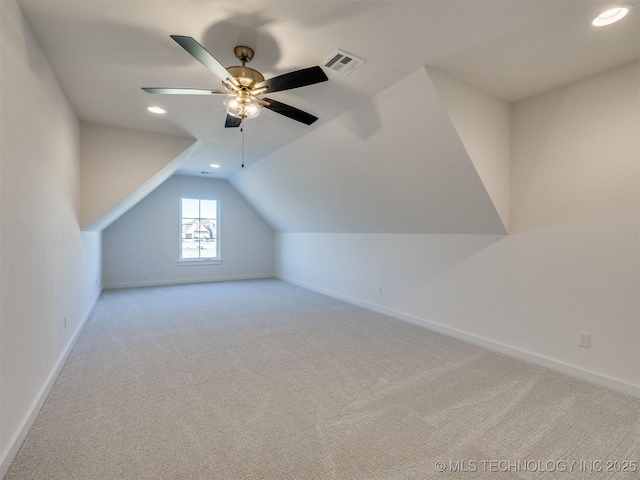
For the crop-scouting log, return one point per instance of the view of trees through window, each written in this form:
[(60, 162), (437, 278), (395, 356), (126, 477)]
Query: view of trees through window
[(199, 233)]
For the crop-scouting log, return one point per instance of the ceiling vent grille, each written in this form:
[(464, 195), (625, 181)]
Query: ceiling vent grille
[(206, 173), (343, 62)]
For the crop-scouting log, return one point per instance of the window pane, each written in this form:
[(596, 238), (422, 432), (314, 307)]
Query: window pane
[(208, 249), (189, 226), (190, 208), (207, 229), (190, 248), (190, 241), (207, 209), (199, 233)]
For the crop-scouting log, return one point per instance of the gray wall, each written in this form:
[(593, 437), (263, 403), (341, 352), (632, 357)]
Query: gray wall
[(141, 247)]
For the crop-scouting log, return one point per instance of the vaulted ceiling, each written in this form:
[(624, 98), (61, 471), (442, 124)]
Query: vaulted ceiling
[(385, 131), (103, 52)]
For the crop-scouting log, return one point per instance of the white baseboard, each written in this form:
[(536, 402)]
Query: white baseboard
[(16, 442), (160, 283), (520, 354)]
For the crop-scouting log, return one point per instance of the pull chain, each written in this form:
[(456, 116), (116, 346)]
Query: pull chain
[(242, 132)]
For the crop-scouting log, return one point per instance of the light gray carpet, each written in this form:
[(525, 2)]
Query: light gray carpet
[(264, 380)]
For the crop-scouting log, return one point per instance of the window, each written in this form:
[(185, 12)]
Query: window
[(199, 230)]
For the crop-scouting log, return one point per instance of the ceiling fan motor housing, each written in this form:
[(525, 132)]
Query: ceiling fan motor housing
[(246, 77)]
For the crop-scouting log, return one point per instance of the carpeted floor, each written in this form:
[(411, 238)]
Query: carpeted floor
[(265, 380)]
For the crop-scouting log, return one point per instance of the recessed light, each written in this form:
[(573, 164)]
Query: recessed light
[(611, 16), (214, 165), (156, 110)]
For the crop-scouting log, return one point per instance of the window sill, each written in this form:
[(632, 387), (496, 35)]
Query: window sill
[(197, 262)]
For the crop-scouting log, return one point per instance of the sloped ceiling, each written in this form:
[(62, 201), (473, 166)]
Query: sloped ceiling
[(395, 150), (395, 164), (120, 166), (104, 51)]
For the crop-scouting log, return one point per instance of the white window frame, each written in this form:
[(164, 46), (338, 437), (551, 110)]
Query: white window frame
[(217, 260)]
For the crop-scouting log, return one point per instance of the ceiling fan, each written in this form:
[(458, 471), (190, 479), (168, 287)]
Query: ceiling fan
[(243, 86)]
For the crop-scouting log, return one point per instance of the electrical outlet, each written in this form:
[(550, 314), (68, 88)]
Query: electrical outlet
[(65, 322), (584, 339)]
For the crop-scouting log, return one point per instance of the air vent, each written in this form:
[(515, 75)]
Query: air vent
[(343, 62), (206, 173)]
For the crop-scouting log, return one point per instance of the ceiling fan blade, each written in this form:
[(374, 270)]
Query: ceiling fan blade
[(299, 78), (205, 58), (184, 91), (232, 122), (291, 112)]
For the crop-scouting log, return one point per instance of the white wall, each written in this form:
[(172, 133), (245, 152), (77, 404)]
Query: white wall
[(151, 258), (387, 166), (49, 267), (116, 162), (570, 263), (483, 123)]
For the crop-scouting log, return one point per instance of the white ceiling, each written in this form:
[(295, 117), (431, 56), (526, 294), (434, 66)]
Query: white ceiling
[(103, 52)]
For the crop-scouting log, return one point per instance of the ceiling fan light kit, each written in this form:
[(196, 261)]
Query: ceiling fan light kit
[(243, 85), (242, 106)]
